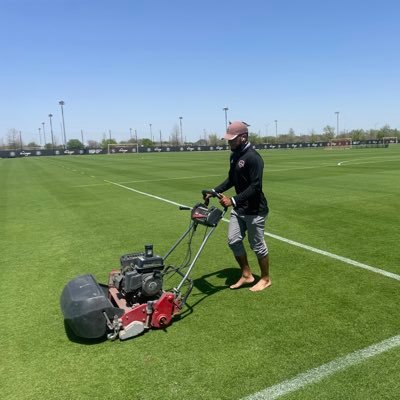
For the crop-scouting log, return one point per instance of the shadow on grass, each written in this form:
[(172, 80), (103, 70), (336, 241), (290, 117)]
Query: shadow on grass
[(206, 289), (76, 339)]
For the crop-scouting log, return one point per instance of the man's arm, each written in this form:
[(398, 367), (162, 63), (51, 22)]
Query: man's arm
[(224, 186)]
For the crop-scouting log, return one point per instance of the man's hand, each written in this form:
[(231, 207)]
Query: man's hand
[(206, 198), (225, 201)]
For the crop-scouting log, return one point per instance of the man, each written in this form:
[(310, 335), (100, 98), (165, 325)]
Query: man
[(249, 205)]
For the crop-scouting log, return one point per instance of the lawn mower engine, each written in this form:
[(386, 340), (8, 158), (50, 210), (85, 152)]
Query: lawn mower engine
[(140, 278)]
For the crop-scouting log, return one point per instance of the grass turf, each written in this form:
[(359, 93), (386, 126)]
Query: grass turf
[(59, 218)]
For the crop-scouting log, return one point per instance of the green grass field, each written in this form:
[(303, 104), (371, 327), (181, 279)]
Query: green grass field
[(61, 217)]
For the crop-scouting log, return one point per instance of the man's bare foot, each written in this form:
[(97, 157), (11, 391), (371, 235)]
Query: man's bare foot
[(262, 284), (242, 281)]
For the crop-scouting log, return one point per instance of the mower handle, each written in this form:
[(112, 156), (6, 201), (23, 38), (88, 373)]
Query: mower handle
[(212, 192)]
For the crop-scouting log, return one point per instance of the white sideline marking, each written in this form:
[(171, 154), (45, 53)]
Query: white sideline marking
[(170, 179), (148, 180), (282, 239), (336, 257), (359, 161), (145, 194), (323, 371)]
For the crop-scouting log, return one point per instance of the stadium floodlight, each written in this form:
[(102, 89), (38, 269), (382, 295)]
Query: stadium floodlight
[(180, 123), (44, 136), (62, 103), (337, 122), (226, 109), (51, 130)]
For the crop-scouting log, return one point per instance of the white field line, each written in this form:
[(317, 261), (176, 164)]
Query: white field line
[(360, 161), (145, 194), (337, 257), (316, 374), (282, 239), (149, 180)]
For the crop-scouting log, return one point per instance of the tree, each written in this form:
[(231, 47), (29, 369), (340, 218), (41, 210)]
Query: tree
[(74, 144), (146, 142), (106, 142), (175, 135), (93, 144), (357, 134), (213, 139), (328, 133), (13, 139), (254, 138)]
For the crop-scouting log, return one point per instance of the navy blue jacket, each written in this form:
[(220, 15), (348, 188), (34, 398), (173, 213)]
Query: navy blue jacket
[(245, 175)]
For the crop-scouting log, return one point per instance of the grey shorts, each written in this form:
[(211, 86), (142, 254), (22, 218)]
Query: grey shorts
[(252, 224)]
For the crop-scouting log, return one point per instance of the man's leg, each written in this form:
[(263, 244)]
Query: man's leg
[(247, 276), (256, 225), (265, 280), (236, 234)]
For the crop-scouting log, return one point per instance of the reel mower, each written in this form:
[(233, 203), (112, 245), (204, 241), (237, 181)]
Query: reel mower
[(134, 300)]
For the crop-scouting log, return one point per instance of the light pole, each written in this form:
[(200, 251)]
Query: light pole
[(180, 124), (276, 128), (44, 135), (225, 109), (40, 137), (51, 130), (62, 103), (337, 122), (137, 144), (151, 133), (130, 133), (82, 137)]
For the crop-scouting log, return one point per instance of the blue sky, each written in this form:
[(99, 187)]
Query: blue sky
[(129, 63)]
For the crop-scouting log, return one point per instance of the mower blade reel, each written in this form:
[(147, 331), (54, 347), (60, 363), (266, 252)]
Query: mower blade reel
[(83, 303)]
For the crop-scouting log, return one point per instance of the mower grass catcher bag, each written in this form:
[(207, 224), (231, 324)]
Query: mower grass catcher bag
[(84, 303)]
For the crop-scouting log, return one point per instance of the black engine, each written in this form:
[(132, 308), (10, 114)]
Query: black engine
[(141, 277)]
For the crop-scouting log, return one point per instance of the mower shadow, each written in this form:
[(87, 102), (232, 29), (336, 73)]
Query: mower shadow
[(76, 339), (206, 289)]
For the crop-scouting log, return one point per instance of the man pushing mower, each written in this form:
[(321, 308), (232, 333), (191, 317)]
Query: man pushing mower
[(249, 205)]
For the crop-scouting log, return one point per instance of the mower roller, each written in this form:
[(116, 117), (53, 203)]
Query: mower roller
[(134, 300)]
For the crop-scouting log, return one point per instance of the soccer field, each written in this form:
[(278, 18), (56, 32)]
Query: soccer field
[(328, 328)]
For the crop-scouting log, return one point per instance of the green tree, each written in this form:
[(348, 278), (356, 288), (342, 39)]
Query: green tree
[(213, 139), (74, 144), (357, 134), (254, 138), (328, 133), (146, 142), (106, 142)]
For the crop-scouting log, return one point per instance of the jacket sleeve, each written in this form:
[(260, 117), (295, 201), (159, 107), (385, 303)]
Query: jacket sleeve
[(255, 173), (224, 186)]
